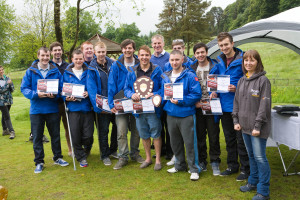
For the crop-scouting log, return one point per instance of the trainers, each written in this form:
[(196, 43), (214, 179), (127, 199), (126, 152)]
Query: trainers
[(243, 176), (172, 170), (171, 162), (247, 188), (83, 163), (5, 132), (121, 163), (61, 162), (12, 135), (138, 158), (194, 176), (203, 166), (228, 172), (106, 161), (39, 168), (45, 139), (145, 164), (215, 168), (260, 197), (114, 155), (157, 167), (30, 138)]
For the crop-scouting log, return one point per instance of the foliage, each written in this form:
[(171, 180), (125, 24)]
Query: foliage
[(288, 4)]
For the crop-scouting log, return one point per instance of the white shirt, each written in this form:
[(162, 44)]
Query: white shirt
[(174, 77), (78, 73), (127, 65)]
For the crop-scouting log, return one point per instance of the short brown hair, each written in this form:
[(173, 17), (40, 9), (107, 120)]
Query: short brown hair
[(145, 48), (77, 52), (253, 54), (86, 42), (127, 42), (200, 45), (175, 52), (178, 42), (56, 44), (223, 35), (158, 36), (100, 45), (42, 49)]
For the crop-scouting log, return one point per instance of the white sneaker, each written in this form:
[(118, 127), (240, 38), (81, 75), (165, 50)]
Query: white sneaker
[(171, 162), (215, 168), (172, 170), (194, 176)]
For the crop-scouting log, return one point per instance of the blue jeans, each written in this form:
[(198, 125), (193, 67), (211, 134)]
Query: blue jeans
[(260, 172), (148, 125), (52, 121)]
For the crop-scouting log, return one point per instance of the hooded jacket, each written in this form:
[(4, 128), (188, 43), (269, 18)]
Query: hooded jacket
[(69, 77), (5, 92), (97, 82), (252, 104), (117, 78), (234, 69), (191, 94), (29, 89)]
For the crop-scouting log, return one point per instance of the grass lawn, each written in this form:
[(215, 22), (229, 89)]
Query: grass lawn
[(102, 182)]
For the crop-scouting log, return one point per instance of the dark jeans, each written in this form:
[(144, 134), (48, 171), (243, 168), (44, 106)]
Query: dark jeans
[(206, 125), (52, 121), (6, 122), (165, 136), (82, 129), (235, 145)]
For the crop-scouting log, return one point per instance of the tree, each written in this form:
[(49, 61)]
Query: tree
[(214, 19), (58, 31), (285, 5)]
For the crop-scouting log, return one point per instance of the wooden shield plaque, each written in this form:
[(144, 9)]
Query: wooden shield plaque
[(156, 100), (143, 86)]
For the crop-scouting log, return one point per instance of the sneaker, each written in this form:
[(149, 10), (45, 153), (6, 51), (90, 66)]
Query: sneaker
[(171, 162), (243, 176), (5, 132), (39, 168), (194, 176), (228, 172), (157, 167), (260, 197), (45, 139), (172, 170), (83, 163), (203, 166), (106, 161), (247, 188), (121, 163), (215, 168), (12, 135), (114, 155), (30, 138), (145, 164), (138, 158), (61, 162)]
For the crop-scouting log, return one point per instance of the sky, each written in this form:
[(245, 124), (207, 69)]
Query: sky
[(145, 22)]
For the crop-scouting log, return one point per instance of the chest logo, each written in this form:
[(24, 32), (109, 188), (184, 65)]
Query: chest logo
[(255, 93)]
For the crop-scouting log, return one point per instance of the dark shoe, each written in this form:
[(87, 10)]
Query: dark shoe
[(157, 167), (145, 164), (203, 166), (31, 137), (228, 172), (61, 162), (215, 168), (138, 158), (12, 135), (5, 132), (45, 139), (260, 197), (121, 163), (243, 176), (247, 188), (39, 168)]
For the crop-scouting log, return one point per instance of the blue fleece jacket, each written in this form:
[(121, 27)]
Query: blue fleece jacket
[(116, 79), (155, 77), (29, 89), (160, 61), (97, 82), (186, 63), (235, 71), (191, 94)]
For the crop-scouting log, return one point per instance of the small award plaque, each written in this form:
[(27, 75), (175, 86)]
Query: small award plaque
[(143, 86), (156, 100)]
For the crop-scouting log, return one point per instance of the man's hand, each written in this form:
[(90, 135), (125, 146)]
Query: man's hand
[(213, 95), (71, 98), (113, 110), (50, 95), (255, 133), (85, 94), (149, 95), (135, 97), (42, 94), (174, 101), (198, 104), (231, 88), (9, 81), (237, 127)]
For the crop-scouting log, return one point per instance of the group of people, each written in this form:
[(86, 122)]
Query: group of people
[(178, 128)]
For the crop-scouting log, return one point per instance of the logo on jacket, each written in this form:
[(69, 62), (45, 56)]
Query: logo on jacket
[(255, 93)]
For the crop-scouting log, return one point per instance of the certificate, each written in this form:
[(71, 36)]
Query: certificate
[(218, 83), (102, 103), (173, 90), (211, 106), (223, 83), (137, 107), (75, 90), (148, 106), (2, 83), (48, 86), (119, 106), (127, 105)]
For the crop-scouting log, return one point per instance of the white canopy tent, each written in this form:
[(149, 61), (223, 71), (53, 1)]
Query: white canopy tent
[(283, 29)]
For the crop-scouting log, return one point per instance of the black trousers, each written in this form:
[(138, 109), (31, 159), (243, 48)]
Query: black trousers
[(165, 136), (6, 121)]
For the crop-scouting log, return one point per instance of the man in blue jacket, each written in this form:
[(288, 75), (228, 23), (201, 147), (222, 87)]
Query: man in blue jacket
[(230, 63), (44, 108), (148, 124), (116, 82), (181, 116), (98, 84)]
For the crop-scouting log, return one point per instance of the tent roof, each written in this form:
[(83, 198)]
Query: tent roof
[(283, 29), (112, 47)]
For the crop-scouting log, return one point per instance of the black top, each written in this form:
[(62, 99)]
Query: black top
[(140, 72), (103, 67)]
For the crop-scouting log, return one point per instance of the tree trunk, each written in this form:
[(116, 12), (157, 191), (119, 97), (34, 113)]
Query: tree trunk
[(58, 32), (77, 30)]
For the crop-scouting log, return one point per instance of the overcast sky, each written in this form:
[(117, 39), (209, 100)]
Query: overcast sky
[(145, 22)]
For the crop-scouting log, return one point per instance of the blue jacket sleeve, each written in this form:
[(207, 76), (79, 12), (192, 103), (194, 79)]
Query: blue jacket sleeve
[(128, 88), (92, 88), (112, 84), (26, 86), (215, 69)]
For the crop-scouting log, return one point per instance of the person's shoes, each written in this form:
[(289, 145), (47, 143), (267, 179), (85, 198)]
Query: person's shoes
[(194, 176), (247, 188), (39, 168), (121, 163), (243, 176), (145, 164), (114, 155), (83, 163), (203, 166), (12, 135), (138, 158), (30, 138), (172, 170), (260, 197), (106, 161), (45, 139), (5, 132), (171, 162), (169, 156), (228, 172), (157, 167), (61, 162), (215, 168)]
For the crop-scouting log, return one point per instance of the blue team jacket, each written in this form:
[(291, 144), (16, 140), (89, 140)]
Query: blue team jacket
[(69, 77), (29, 89), (97, 82), (116, 79), (235, 71), (155, 77), (186, 63), (191, 94)]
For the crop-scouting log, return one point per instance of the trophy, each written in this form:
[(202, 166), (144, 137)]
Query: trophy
[(156, 100), (143, 86)]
